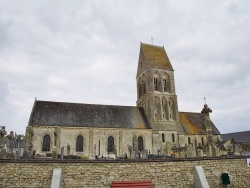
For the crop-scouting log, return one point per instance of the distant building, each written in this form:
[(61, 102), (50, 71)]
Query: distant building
[(239, 139), (154, 126)]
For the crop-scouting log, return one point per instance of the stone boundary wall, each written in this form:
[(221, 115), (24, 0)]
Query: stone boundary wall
[(167, 174)]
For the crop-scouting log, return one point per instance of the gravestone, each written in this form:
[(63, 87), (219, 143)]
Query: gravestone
[(144, 154), (2, 139), (2, 136), (68, 149), (209, 149), (11, 137), (190, 151), (54, 153), (200, 152), (17, 155), (10, 153), (182, 154), (62, 152), (30, 150), (213, 147), (135, 155), (3, 154)]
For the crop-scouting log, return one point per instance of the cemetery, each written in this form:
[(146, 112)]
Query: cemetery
[(143, 168)]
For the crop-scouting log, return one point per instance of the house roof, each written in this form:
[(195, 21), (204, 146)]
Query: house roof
[(156, 57), (194, 123), (239, 137), (87, 115)]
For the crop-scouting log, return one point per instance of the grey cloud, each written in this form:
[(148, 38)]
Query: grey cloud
[(87, 51), (4, 91), (4, 37)]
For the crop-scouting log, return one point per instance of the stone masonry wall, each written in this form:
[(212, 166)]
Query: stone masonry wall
[(67, 136), (102, 173)]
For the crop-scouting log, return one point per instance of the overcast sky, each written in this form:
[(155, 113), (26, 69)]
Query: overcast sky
[(87, 52)]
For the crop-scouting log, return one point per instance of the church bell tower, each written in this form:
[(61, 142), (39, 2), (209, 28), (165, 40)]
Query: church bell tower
[(156, 88)]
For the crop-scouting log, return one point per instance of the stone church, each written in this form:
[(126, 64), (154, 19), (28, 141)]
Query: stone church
[(154, 126)]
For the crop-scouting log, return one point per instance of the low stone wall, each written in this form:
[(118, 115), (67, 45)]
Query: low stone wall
[(178, 173)]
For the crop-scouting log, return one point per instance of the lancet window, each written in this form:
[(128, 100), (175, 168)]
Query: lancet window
[(140, 143), (79, 143), (166, 83), (111, 144), (157, 82), (46, 143)]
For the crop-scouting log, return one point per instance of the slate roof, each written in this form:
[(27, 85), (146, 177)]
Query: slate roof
[(156, 57), (194, 123), (87, 115), (239, 137)]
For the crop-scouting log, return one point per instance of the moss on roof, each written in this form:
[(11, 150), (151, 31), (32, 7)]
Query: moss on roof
[(194, 123), (156, 57)]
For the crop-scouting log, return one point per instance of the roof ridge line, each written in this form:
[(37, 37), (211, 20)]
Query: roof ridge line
[(86, 103)]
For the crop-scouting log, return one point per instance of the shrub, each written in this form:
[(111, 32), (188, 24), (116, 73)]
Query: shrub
[(84, 157)]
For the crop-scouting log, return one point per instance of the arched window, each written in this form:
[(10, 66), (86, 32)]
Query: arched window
[(156, 86), (157, 81), (140, 143), (79, 143), (46, 143), (166, 83), (111, 144)]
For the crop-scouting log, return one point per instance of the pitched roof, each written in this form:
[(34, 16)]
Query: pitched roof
[(87, 115), (194, 123), (156, 57), (239, 137)]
